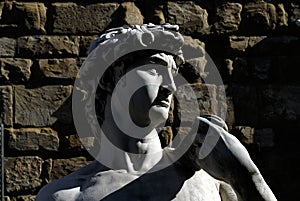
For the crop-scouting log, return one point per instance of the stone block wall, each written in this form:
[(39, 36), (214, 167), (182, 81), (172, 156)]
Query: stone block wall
[(255, 45)]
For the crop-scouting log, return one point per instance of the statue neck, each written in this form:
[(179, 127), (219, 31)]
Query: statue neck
[(122, 151)]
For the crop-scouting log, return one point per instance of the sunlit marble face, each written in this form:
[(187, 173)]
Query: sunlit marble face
[(149, 104)]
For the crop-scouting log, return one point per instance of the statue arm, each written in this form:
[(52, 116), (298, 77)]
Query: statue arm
[(222, 155)]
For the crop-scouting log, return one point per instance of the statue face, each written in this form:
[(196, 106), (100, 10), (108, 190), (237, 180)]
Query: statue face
[(149, 104)]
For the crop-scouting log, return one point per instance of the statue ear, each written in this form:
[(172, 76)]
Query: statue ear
[(111, 76), (107, 81)]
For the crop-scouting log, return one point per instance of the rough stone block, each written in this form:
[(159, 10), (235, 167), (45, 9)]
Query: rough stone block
[(28, 17), (285, 69), (282, 15), (239, 43), (33, 14), (30, 139), (14, 70), (42, 106), (158, 15), (266, 106), (37, 46), (242, 43), (206, 96), (132, 15), (59, 68), (153, 11), (229, 68), (192, 48), (84, 45), (264, 137), (279, 104), (179, 135), (191, 18), (225, 108), (280, 69), (7, 22), (70, 18), (6, 105), (7, 46), (285, 45), (24, 198), (294, 12), (182, 132), (22, 173), (193, 96), (74, 146), (194, 54), (46, 170), (244, 133), (63, 167), (1, 7), (258, 17), (244, 104), (74, 141), (80, 61), (229, 111), (255, 68), (228, 17), (166, 136)]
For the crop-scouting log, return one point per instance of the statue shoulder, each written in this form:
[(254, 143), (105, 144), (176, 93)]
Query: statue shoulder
[(66, 189)]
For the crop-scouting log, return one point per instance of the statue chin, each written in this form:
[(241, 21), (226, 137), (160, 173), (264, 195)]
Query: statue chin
[(158, 114)]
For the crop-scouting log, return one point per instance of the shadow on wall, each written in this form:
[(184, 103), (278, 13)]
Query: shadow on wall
[(263, 93)]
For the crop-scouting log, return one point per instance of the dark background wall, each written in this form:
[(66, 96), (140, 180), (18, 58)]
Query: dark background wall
[(254, 44)]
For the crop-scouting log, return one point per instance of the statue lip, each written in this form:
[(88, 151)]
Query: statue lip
[(161, 101)]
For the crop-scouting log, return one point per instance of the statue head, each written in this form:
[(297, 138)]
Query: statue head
[(124, 49), (129, 73)]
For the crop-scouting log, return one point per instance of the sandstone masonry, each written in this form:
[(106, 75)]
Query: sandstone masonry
[(252, 45)]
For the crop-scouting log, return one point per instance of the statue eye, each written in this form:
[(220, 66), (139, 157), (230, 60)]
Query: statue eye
[(152, 71)]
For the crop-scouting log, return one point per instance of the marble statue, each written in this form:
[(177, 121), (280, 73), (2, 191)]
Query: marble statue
[(130, 163)]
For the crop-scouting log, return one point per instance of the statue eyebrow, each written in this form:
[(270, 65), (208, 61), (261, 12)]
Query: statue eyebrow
[(157, 60)]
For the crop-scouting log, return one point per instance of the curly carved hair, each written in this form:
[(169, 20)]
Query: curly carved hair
[(118, 50)]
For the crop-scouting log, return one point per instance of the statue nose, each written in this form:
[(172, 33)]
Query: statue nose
[(168, 81), (171, 87)]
